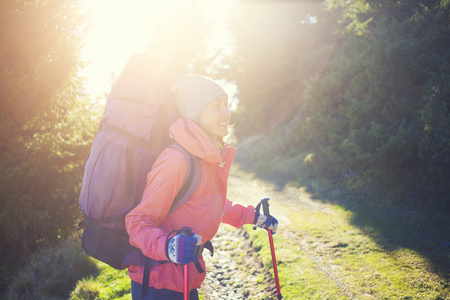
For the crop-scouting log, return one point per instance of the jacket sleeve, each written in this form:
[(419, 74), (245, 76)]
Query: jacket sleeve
[(237, 215), (163, 183)]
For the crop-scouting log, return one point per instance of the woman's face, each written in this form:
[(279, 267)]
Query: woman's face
[(216, 117)]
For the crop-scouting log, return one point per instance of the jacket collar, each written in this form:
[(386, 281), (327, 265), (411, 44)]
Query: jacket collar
[(192, 138)]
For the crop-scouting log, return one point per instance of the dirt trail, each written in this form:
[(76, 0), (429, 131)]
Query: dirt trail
[(235, 272), (333, 257)]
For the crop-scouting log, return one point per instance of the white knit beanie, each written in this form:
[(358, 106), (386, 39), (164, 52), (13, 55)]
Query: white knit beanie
[(193, 93)]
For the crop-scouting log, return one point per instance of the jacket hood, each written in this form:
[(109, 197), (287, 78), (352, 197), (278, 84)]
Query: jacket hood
[(195, 140)]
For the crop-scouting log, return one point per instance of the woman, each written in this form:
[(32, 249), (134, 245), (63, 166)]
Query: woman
[(203, 105)]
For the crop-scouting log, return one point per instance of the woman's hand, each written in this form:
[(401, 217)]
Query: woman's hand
[(181, 248), (263, 221)]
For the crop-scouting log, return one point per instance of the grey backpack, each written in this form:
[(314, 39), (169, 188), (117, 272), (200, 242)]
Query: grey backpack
[(132, 133)]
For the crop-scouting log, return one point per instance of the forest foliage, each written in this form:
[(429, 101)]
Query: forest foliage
[(375, 122), (47, 120), (46, 124), (354, 92)]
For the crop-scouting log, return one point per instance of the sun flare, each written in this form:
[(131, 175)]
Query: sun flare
[(120, 28)]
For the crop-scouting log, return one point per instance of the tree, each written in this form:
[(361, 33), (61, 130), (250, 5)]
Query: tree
[(377, 120), (45, 122), (358, 16), (279, 45)]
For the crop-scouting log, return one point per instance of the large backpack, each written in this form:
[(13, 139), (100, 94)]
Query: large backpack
[(132, 133)]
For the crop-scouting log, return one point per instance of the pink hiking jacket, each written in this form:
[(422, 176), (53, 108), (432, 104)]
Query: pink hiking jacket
[(148, 223)]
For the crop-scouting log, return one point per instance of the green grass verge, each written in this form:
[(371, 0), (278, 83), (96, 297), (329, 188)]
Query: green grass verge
[(297, 274), (331, 257), (329, 247), (369, 249), (51, 272), (108, 284), (331, 251)]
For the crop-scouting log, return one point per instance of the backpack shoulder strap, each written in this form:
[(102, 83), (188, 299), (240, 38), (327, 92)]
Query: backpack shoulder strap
[(190, 185), (191, 181)]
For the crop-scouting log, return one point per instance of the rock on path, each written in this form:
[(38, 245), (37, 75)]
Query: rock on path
[(235, 272)]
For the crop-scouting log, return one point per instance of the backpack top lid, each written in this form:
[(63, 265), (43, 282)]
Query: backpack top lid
[(144, 74), (140, 91)]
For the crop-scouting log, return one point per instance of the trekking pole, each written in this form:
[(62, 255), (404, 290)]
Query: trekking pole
[(265, 205), (186, 231), (186, 282)]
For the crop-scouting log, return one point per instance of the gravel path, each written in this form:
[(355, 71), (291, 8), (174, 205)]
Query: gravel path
[(234, 272)]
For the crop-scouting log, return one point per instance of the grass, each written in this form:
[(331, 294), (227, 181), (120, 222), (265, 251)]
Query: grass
[(331, 253), (297, 275), (331, 250), (326, 249), (107, 284), (368, 268), (51, 273), (63, 271)]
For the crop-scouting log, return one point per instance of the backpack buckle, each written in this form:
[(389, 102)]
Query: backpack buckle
[(81, 225)]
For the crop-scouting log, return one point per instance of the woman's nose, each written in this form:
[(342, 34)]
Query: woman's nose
[(226, 110)]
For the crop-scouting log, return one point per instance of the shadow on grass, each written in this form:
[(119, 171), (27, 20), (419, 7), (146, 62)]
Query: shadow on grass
[(423, 230)]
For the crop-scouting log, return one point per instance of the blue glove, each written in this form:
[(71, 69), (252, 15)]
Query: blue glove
[(181, 249), (263, 221)]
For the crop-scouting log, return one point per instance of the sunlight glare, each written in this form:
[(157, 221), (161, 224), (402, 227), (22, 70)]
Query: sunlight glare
[(120, 28)]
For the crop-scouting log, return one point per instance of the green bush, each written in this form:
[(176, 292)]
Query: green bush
[(86, 289), (51, 273), (107, 283), (378, 119), (46, 120), (376, 124)]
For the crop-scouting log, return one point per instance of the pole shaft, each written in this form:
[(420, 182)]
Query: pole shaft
[(274, 263), (186, 282), (265, 205), (186, 231)]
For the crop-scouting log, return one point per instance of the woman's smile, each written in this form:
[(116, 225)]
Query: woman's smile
[(216, 117)]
